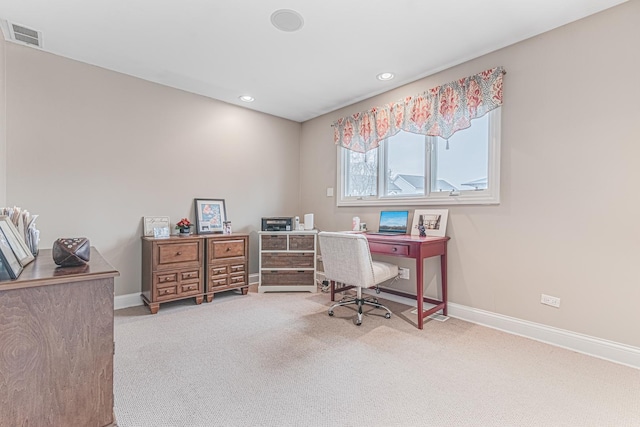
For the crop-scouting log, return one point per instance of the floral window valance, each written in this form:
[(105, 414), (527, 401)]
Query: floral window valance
[(440, 111)]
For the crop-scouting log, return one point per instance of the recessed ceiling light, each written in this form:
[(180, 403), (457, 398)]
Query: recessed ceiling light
[(385, 76), (287, 20), (247, 98)]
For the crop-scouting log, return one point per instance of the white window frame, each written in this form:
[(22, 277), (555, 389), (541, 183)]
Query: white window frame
[(489, 196)]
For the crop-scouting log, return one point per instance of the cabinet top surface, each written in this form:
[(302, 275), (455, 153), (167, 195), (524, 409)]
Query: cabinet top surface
[(43, 271), (176, 238), (277, 233)]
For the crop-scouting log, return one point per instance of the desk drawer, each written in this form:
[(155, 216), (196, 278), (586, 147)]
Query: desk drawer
[(389, 248)]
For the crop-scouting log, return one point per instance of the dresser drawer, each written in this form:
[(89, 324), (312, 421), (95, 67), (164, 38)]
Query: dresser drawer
[(190, 275), (178, 252), (220, 281), (301, 243), (237, 279), (190, 288), (226, 248), (287, 278), (165, 279), (274, 242), (389, 248), (166, 293), (287, 260), (218, 271), (237, 268)]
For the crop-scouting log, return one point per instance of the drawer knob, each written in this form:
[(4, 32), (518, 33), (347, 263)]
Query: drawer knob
[(228, 249), (179, 253), (394, 249)]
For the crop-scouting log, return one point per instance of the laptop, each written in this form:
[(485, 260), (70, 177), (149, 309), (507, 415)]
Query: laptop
[(392, 223)]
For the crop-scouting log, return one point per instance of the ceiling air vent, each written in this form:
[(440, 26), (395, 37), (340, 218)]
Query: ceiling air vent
[(26, 35)]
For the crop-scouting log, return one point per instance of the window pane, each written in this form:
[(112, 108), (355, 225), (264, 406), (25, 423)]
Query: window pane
[(465, 164), (362, 173), (405, 164)]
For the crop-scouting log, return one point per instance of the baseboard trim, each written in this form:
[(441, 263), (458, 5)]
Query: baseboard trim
[(596, 347), (125, 301), (133, 300), (603, 349)]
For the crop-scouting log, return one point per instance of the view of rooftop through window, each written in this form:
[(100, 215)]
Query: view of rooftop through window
[(459, 164)]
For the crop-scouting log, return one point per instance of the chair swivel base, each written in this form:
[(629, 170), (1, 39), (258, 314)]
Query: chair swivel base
[(360, 302)]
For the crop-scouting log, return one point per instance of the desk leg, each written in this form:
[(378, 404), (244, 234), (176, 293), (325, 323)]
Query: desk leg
[(443, 273), (420, 290)]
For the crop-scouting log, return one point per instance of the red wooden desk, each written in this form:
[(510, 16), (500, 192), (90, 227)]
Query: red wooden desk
[(418, 248)]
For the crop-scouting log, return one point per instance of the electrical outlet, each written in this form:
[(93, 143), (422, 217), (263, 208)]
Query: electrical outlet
[(549, 300), (404, 273)]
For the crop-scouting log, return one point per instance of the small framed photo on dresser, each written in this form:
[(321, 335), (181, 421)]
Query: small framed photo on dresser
[(211, 215), (150, 223)]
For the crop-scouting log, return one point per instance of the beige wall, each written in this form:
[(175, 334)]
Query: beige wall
[(567, 225), (93, 151), (3, 125)]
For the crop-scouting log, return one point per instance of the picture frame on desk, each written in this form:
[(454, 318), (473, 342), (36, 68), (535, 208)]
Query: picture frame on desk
[(8, 258), (211, 215), (430, 222), (16, 241)]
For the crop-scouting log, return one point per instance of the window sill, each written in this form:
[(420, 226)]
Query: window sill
[(447, 200)]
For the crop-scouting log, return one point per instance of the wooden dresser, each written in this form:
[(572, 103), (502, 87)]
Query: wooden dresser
[(56, 345), (288, 261), (193, 267), (227, 263), (172, 269)]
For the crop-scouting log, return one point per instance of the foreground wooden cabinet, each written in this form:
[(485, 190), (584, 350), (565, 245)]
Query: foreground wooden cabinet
[(172, 269), (56, 345), (288, 261)]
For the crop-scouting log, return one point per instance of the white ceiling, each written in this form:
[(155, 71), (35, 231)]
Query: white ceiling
[(224, 49)]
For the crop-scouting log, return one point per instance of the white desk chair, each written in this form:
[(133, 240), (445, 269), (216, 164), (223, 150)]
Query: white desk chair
[(347, 259)]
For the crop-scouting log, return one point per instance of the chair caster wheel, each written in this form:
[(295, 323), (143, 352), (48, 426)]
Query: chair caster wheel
[(331, 313), (377, 291), (358, 323), (388, 316)]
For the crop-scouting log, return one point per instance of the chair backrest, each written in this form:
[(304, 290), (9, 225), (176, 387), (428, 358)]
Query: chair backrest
[(346, 258)]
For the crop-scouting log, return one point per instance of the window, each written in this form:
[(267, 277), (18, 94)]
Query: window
[(415, 169)]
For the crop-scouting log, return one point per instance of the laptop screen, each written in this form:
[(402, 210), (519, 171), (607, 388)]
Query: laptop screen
[(394, 222)]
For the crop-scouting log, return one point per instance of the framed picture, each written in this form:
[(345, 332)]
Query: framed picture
[(210, 215), (430, 222), (151, 222), (161, 232), (16, 241), (8, 258)]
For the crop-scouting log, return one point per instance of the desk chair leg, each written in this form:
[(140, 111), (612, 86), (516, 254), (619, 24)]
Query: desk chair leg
[(360, 302)]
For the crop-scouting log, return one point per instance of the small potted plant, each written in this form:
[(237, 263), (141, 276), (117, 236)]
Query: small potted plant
[(184, 225)]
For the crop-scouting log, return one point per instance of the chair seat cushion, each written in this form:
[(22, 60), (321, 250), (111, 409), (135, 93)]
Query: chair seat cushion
[(384, 271)]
